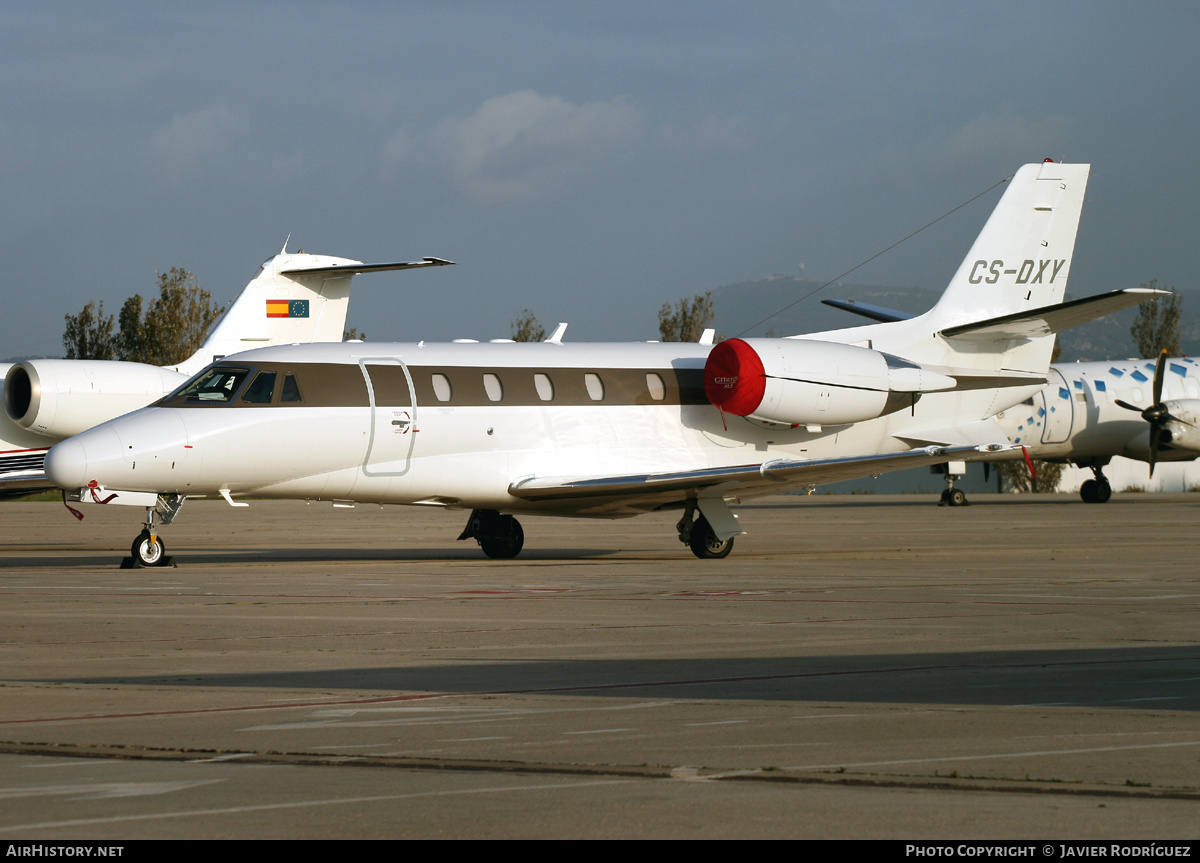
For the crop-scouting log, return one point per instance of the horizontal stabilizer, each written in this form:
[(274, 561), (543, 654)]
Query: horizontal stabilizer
[(866, 310), (368, 268), (1051, 319)]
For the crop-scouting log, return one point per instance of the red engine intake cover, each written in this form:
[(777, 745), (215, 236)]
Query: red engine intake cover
[(734, 378)]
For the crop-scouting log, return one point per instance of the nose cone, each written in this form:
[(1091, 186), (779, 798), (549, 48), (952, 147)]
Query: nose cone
[(66, 464), (73, 463)]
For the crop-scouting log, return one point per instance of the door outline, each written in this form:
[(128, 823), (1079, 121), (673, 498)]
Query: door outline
[(404, 419)]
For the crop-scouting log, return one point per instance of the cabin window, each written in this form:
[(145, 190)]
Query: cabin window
[(442, 388), (595, 386), (493, 387), (260, 389), (291, 390), (217, 385), (545, 386), (654, 384)]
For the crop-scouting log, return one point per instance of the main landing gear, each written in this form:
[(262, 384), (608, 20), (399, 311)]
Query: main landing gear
[(697, 534), (952, 496), (500, 536), (1096, 490), (148, 549)]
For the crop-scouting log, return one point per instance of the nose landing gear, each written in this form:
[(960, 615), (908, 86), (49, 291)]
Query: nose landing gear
[(148, 548)]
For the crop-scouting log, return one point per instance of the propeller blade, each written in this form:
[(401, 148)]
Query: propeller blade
[(1155, 430), (1159, 368), (1126, 405)]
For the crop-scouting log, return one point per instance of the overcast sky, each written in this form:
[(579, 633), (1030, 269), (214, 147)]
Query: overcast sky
[(587, 161)]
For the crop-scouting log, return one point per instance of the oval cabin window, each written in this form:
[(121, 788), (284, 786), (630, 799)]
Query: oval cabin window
[(493, 387), (441, 387), (595, 386), (654, 384), (545, 386)]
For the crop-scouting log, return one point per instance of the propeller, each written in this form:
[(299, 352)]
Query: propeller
[(1157, 414)]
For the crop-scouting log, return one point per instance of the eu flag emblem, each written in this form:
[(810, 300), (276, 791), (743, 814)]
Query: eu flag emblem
[(287, 308)]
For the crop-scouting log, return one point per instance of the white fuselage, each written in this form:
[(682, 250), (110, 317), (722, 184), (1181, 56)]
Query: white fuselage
[(459, 424), (1075, 417)]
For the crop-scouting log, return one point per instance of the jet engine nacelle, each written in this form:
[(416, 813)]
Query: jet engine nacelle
[(806, 382), (60, 398)]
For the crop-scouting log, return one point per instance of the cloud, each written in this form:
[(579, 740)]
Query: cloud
[(215, 141), (523, 145)]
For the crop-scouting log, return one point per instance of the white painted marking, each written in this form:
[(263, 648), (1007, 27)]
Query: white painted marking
[(600, 731), (267, 807), (722, 722), (1046, 752)]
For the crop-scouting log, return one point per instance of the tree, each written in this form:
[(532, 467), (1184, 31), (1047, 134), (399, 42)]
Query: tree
[(1015, 478), (528, 328), (89, 335), (353, 335), (1156, 327), (174, 327), (686, 320)]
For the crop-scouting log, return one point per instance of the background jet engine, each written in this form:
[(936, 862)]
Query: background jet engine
[(807, 382), (59, 398)]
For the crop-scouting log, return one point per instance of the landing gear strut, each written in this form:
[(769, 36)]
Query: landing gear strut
[(951, 496), (148, 549), (1096, 490), (695, 531), (500, 536)]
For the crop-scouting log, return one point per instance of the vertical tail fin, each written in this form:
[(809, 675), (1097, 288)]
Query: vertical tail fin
[(1022, 257), (296, 298)]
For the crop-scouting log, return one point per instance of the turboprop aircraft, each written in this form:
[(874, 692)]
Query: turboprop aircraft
[(1083, 415), (295, 297), (612, 430)]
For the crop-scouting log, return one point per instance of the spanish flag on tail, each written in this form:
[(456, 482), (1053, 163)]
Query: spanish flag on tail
[(287, 308)]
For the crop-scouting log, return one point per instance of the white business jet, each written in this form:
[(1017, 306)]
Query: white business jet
[(295, 297), (612, 430)]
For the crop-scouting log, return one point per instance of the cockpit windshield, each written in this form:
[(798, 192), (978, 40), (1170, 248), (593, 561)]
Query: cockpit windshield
[(219, 384)]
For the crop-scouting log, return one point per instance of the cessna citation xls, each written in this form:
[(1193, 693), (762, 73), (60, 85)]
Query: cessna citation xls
[(294, 298), (613, 430)]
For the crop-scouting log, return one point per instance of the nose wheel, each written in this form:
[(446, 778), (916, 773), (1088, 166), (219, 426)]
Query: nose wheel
[(148, 550)]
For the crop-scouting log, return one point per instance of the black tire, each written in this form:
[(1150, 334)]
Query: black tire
[(1095, 491), (147, 553), (958, 497), (506, 546), (704, 542)]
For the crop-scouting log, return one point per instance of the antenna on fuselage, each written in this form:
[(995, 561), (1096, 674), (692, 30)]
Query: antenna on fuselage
[(285, 242), (556, 337)]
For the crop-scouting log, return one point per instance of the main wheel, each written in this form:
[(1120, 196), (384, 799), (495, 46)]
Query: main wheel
[(1095, 491), (957, 497), (704, 542), (148, 553), (504, 546)]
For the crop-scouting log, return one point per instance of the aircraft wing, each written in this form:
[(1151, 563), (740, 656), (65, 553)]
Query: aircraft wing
[(1052, 319), (370, 268), (629, 495)]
